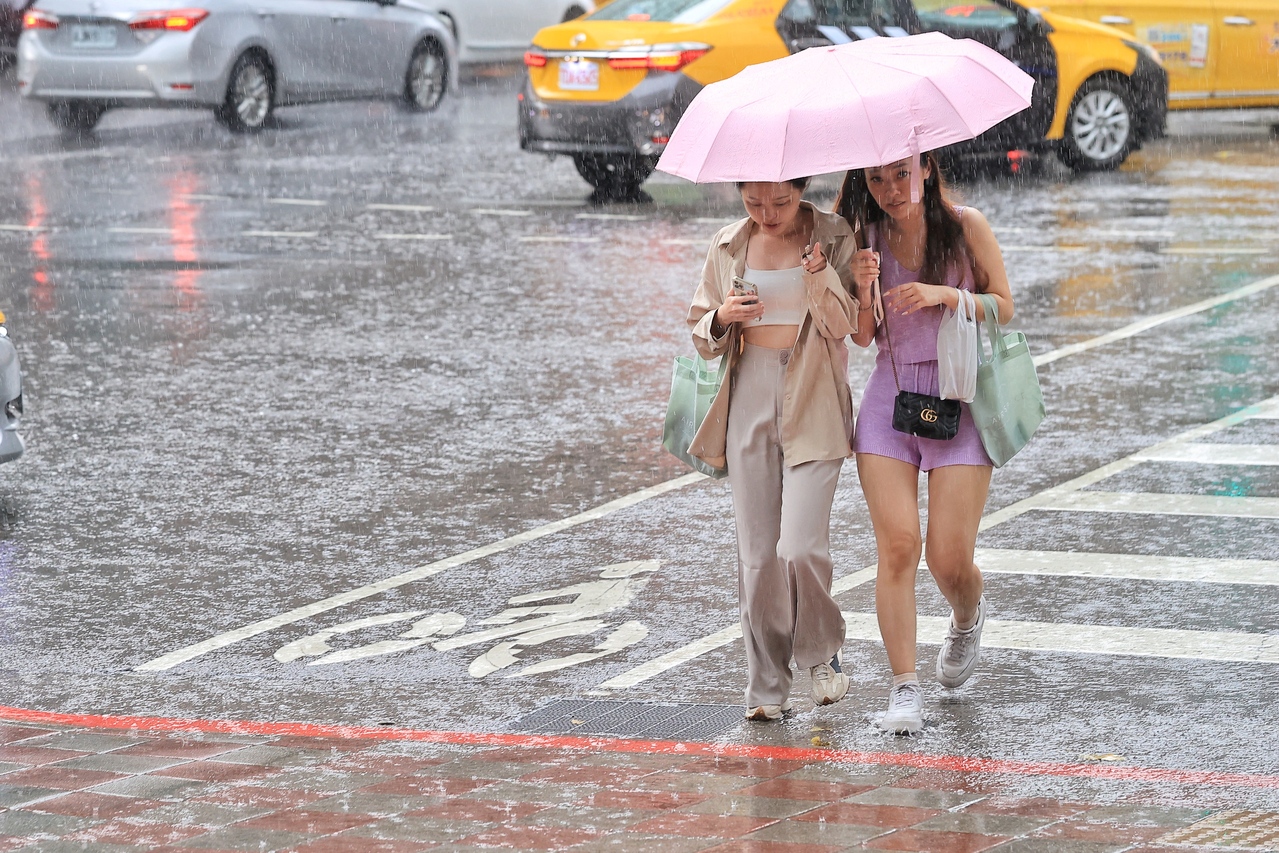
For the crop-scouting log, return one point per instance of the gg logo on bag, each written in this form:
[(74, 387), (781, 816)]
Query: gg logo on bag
[(928, 416)]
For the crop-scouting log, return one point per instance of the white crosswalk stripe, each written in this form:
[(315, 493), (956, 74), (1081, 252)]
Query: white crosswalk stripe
[(1145, 503), (1215, 454), (1127, 566)]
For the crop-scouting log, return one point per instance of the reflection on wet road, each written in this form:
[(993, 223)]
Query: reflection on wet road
[(365, 413)]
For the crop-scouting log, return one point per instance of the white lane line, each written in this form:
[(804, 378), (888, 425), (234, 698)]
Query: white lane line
[(205, 197), (714, 220), (614, 217), (333, 602), (1215, 250), (414, 236), (679, 242), (1216, 454), (1109, 470), (30, 229), (495, 211), (279, 233), (403, 208), (1045, 248), (559, 239), (123, 230), (1145, 503), (1083, 564), (688, 652), (301, 202), (1094, 639), (1150, 322)]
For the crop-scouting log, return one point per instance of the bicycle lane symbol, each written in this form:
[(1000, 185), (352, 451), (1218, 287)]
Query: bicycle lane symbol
[(531, 620)]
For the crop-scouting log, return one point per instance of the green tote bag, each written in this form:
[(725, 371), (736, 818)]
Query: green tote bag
[(693, 389), (1009, 405)]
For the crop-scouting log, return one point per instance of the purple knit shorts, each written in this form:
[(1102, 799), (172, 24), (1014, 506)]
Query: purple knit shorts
[(875, 433)]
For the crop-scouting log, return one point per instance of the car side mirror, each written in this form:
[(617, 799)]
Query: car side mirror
[(1037, 23)]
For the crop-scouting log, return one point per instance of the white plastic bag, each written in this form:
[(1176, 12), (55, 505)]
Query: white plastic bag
[(957, 351)]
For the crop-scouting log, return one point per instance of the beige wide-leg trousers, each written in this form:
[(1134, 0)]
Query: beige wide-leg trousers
[(784, 567)]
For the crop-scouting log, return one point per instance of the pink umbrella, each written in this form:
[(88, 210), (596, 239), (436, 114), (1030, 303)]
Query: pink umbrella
[(849, 106)]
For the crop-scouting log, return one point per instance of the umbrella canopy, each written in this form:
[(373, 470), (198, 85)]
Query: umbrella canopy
[(849, 106)]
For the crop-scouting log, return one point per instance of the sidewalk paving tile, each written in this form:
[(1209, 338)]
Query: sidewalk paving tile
[(703, 825), (401, 828), (587, 817), (22, 822), (373, 803), (922, 798), (309, 821), (790, 788), (115, 762), (10, 767), (89, 804), (256, 796), (638, 799), (812, 832), (460, 808), (530, 792), (1028, 807), (217, 771), (83, 741), (984, 824), (192, 750), (633, 842), (870, 814), (61, 778), (34, 756), (693, 782), (75, 847), (532, 837), (273, 756), (13, 796), (1061, 845), (153, 787), (351, 844), (746, 845), (143, 834), (739, 803), (9, 734), (243, 838), (919, 841), (208, 815)]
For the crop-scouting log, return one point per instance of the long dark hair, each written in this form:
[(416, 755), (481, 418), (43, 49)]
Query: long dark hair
[(944, 246)]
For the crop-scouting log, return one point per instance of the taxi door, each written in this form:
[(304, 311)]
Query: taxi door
[(1183, 31), (1248, 64)]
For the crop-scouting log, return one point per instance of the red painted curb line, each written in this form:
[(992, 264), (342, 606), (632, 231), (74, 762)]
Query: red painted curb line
[(958, 763)]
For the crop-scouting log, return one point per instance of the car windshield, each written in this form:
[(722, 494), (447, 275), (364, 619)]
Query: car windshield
[(948, 15), (671, 11)]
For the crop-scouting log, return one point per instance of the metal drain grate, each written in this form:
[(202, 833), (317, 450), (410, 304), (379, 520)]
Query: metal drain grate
[(644, 720), (1235, 829)]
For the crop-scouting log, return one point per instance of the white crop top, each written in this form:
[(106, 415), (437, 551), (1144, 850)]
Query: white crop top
[(783, 294)]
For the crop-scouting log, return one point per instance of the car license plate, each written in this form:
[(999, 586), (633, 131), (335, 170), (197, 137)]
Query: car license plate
[(92, 36), (579, 75)]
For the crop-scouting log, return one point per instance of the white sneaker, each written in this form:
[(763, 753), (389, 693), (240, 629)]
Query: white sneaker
[(960, 650), (830, 684), (764, 713), (905, 715)]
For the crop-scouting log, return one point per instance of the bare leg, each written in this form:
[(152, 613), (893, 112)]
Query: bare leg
[(956, 500), (892, 496)]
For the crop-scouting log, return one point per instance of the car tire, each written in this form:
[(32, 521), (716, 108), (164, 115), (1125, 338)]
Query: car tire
[(614, 176), (427, 78), (250, 95), (75, 116), (1101, 128)]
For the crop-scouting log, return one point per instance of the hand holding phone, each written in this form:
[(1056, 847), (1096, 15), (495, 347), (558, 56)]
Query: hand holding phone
[(742, 287)]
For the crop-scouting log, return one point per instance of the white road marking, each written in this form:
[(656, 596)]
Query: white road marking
[(25, 228), (1045, 248), (301, 202), (1150, 322), (279, 233), (618, 217), (205, 197), (494, 211), (1143, 503), (559, 239), (1068, 638), (715, 220), (1085, 564), (1216, 454), (123, 230), (1215, 250), (414, 236), (333, 602), (403, 208), (679, 242), (686, 653)]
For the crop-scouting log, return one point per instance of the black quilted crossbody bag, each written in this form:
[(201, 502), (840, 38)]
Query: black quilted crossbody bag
[(921, 414)]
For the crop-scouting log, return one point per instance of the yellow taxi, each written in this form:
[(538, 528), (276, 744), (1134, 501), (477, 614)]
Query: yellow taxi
[(1219, 53), (609, 88)]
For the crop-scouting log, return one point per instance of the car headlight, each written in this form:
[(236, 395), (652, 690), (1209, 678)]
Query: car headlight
[(1143, 48)]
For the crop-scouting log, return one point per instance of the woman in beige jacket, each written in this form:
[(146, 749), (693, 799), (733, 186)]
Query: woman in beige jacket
[(782, 423)]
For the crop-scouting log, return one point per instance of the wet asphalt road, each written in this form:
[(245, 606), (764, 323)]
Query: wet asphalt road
[(265, 371)]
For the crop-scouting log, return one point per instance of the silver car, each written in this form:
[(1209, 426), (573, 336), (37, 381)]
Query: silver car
[(242, 58), (11, 446)]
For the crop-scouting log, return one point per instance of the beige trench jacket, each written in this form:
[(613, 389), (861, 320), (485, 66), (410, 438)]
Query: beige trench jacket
[(817, 411)]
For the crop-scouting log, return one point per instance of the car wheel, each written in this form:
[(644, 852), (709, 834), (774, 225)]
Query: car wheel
[(1100, 129), (78, 116), (614, 176), (250, 95), (427, 78)]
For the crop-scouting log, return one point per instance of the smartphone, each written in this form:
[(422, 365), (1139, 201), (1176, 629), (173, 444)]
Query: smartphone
[(742, 287)]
